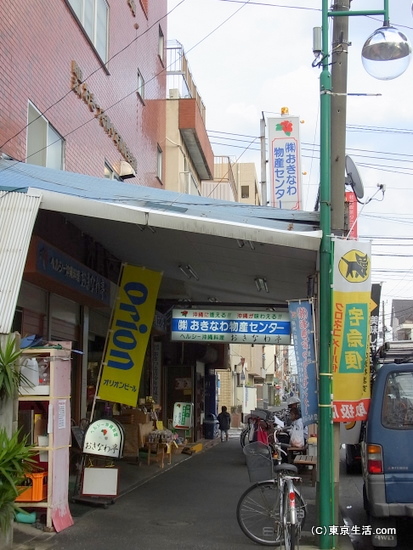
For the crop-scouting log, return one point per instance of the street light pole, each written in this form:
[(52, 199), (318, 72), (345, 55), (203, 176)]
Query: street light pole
[(326, 464), (386, 44)]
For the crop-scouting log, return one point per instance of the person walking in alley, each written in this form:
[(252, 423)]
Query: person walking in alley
[(224, 419)]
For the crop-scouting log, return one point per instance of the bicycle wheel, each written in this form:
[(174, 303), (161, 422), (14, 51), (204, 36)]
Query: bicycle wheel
[(258, 513), (244, 437), (292, 526), (289, 525)]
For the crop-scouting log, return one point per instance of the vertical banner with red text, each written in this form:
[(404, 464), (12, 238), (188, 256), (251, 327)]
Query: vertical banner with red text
[(351, 201), (129, 335), (351, 329)]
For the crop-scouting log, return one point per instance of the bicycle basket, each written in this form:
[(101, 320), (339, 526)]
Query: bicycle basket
[(259, 461)]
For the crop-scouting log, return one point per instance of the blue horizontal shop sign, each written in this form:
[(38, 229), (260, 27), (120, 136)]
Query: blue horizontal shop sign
[(231, 326)]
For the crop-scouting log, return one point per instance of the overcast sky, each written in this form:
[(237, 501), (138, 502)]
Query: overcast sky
[(249, 58)]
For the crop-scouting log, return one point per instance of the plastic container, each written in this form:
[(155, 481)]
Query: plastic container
[(30, 373), (312, 446), (259, 461), (210, 425), (25, 517), (35, 492)]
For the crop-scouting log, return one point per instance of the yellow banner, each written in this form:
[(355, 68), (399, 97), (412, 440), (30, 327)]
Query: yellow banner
[(128, 336), (350, 350)]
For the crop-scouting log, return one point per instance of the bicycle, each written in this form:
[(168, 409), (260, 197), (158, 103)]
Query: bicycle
[(257, 418), (272, 511)]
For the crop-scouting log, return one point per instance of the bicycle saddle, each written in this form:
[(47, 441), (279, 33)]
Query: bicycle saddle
[(286, 467)]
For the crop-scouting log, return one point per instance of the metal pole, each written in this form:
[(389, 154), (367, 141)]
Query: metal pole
[(326, 462), (263, 163), (326, 489)]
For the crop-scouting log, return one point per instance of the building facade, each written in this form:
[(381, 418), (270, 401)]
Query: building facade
[(93, 99), (83, 91), (84, 86)]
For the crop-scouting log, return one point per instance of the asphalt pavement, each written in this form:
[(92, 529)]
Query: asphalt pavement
[(190, 504)]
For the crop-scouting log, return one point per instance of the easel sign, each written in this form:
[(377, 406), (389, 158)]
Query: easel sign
[(182, 416), (104, 438), (102, 482)]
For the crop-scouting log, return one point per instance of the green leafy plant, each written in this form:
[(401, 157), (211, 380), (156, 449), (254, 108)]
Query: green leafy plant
[(15, 455), (9, 373), (15, 462)]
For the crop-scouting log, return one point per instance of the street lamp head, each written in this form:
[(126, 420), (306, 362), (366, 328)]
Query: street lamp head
[(386, 53)]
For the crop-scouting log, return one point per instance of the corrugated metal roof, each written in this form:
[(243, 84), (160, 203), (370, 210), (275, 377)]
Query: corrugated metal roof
[(17, 216), (228, 244), (21, 176)]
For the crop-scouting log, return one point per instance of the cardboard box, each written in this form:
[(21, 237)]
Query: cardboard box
[(135, 437), (134, 416)]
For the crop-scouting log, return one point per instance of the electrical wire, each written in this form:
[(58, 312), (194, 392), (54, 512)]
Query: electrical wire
[(91, 74), (246, 2)]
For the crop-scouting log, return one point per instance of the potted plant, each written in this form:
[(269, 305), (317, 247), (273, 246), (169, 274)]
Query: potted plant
[(15, 455), (15, 462)]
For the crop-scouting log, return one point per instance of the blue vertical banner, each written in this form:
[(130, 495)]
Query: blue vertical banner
[(302, 331)]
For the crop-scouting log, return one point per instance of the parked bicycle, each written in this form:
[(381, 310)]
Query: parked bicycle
[(271, 423), (272, 511), (259, 418)]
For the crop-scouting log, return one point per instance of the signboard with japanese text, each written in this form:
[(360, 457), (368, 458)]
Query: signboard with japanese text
[(129, 335), (156, 371), (302, 330), (351, 330), (350, 431), (374, 316), (104, 438), (182, 415), (285, 162), (222, 326), (60, 271), (351, 201)]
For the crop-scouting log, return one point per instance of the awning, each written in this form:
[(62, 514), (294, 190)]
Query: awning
[(227, 245)]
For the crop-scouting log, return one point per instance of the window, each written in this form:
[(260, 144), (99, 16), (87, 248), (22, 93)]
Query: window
[(398, 401), (93, 16), (161, 45), (141, 85), (159, 165), (245, 192), (110, 173), (44, 144)]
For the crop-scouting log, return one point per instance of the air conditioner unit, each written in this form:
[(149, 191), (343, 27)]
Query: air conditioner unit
[(174, 93)]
